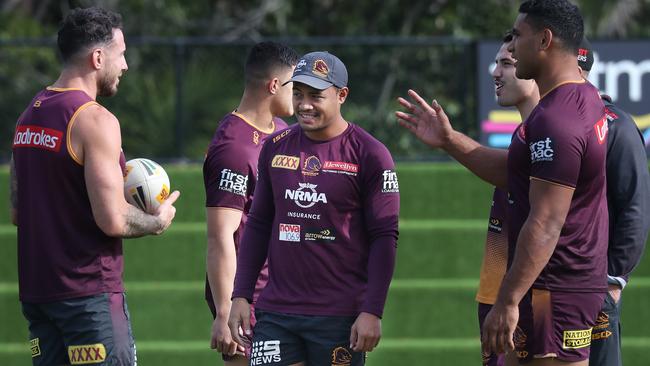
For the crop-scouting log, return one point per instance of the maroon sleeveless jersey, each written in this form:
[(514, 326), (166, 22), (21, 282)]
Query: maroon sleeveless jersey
[(62, 253)]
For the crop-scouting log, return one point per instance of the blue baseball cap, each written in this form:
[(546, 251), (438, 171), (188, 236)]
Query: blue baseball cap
[(320, 70)]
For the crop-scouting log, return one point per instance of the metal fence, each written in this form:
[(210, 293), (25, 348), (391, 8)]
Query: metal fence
[(177, 89)]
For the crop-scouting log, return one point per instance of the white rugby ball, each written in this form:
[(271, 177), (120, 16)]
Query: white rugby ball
[(146, 184)]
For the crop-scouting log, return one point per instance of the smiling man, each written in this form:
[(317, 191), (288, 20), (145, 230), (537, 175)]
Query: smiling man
[(523, 95), (325, 210), (554, 172)]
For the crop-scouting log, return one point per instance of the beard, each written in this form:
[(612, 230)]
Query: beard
[(107, 85)]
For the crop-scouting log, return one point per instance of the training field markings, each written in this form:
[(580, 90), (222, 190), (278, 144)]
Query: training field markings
[(461, 284)]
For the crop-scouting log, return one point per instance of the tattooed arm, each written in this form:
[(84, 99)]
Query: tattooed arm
[(13, 191), (96, 141)]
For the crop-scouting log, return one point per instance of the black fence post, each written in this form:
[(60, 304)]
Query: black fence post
[(179, 123)]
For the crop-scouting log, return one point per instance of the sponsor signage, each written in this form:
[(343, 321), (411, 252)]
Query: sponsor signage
[(621, 70)]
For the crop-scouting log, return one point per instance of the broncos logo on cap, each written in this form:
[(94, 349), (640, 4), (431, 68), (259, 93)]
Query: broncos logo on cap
[(320, 68)]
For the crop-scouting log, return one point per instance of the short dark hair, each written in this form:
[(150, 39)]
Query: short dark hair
[(84, 28), (265, 57), (560, 16)]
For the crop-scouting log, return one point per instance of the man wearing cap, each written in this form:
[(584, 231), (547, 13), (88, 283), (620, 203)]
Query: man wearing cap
[(325, 212), (628, 199)]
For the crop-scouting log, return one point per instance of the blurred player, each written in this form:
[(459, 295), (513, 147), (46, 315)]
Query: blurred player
[(628, 198), (523, 95), (230, 176), (325, 210), (67, 193), (555, 174)]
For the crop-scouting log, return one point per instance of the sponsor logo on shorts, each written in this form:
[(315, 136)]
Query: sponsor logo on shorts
[(541, 150), (87, 354), (281, 135), (305, 196), (341, 356), (303, 215), (233, 182), (289, 232), (285, 162), (601, 128), (390, 184), (320, 235), (601, 329), (519, 338), (495, 225), (38, 137), (311, 166), (601, 335), (265, 352), (35, 347), (340, 167), (574, 339)]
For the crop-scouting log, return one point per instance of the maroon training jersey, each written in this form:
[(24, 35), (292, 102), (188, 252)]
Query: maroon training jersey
[(230, 172), (327, 213), (62, 253), (564, 142)]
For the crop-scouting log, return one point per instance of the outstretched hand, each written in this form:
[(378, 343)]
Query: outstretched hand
[(428, 122)]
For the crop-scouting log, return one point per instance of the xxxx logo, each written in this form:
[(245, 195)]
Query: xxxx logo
[(87, 354), (285, 162)]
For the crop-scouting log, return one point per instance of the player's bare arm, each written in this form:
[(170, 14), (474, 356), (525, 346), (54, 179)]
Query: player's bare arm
[(549, 206), (430, 124), (13, 191), (96, 140), (221, 263)]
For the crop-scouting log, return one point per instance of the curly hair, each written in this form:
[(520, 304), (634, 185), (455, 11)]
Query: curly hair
[(84, 28), (560, 16)]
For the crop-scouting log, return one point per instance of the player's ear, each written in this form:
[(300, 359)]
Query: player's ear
[(545, 39), (273, 85), (97, 58), (342, 94)]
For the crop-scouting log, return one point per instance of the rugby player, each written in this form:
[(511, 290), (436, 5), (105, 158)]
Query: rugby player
[(628, 201), (326, 211), (230, 175), (522, 94), (554, 172), (67, 196)]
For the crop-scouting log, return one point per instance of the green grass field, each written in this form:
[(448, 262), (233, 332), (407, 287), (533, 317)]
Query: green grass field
[(430, 316)]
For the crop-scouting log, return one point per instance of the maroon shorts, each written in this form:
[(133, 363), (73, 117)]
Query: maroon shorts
[(555, 324), (247, 351)]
